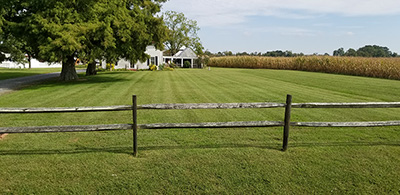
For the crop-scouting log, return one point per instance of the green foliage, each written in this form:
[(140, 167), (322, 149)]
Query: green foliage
[(339, 52), (86, 29), (161, 67), (14, 48), (173, 65), (276, 53), (110, 67), (374, 51), (351, 52), (182, 32), (186, 64), (152, 67), (366, 51)]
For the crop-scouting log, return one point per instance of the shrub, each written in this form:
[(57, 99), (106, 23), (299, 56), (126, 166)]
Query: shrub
[(161, 67), (152, 67), (173, 65), (186, 64), (110, 67)]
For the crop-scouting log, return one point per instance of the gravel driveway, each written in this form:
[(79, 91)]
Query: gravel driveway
[(10, 85)]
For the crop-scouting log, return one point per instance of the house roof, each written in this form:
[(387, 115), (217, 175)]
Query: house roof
[(186, 53)]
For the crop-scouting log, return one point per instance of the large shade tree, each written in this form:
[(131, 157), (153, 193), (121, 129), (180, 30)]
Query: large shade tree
[(182, 32), (63, 30)]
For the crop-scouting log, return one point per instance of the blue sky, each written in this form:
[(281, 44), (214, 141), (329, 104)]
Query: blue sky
[(308, 26)]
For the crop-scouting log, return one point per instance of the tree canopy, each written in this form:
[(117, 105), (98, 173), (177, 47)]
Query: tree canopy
[(366, 51), (63, 30), (182, 32)]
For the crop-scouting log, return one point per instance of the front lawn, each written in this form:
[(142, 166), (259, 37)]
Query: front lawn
[(203, 161), (6, 73)]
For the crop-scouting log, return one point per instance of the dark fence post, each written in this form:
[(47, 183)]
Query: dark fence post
[(134, 125), (287, 122)]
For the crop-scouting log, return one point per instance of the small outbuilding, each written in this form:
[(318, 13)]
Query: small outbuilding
[(183, 55)]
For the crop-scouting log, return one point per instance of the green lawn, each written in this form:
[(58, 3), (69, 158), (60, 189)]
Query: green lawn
[(206, 161), (6, 73)]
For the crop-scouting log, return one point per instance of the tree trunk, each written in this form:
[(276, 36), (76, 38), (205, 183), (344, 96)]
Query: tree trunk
[(30, 61), (91, 69), (68, 72)]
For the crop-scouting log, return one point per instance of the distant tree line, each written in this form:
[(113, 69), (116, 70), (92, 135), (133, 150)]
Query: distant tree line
[(366, 51), (277, 53)]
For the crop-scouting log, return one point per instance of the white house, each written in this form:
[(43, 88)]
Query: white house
[(34, 64), (157, 58)]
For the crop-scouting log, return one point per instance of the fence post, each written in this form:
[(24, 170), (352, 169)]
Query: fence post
[(134, 125), (287, 122)]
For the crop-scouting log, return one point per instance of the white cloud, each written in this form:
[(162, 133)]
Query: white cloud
[(226, 12), (278, 30)]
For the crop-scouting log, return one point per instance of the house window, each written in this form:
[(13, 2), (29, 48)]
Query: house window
[(152, 60)]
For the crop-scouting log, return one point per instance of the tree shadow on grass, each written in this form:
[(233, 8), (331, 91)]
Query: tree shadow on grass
[(342, 144), (129, 150), (211, 146), (82, 81), (80, 150)]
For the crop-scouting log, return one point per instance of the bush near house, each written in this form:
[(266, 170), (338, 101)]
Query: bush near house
[(153, 67), (186, 64)]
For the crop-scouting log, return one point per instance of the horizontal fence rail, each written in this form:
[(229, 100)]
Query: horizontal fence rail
[(346, 124), (270, 105), (211, 106), (240, 124), (55, 129), (212, 125), (200, 106), (66, 109), (348, 105)]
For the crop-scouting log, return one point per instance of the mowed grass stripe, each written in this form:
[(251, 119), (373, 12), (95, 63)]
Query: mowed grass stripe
[(301, 92), (361, 87), (198, 161)]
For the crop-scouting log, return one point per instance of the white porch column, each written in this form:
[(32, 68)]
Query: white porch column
[(181, 62), (191, 60)]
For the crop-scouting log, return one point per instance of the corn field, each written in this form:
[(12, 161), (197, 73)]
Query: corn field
[(388, 68)]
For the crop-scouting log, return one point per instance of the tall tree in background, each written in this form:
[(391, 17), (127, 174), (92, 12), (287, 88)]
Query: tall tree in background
[(339, 52), (351, 52), (366, 51), (63, 30), (182, 32), (12, 48)]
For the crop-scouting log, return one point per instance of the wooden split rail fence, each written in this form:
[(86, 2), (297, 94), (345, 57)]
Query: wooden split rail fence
[(134, 126)]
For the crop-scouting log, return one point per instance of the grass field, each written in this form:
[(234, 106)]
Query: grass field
[(223, 161), (6, 73)]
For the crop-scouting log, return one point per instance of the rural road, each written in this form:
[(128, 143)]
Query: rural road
[(10, 85)]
